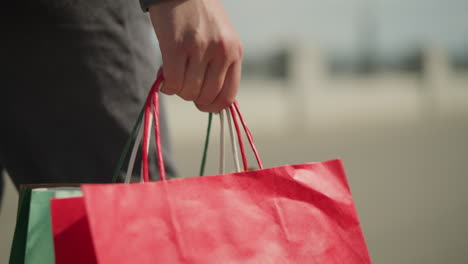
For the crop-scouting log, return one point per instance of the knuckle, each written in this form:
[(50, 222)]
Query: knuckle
[(222, 48), (184, 96), (170, 90), (177, 47), (203, 108), (171, 74), (204, 100), (197, 80), (228, 49), (193, 42), (170, 85), (177, 44), (201, 43), (225, 102), (188, 96), (187, 47), (240, 50)]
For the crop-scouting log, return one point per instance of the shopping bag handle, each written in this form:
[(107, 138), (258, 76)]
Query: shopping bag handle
[(222, 114), (231, 113), (152, 106), (248, 134), (134, 133), (232, 132), (239, 138), (232, 140)]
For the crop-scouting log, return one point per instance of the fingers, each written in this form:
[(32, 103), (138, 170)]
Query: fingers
[(214, 80), (193, 78), (174, 71), (209, 79), (228, 92), (201, 50)]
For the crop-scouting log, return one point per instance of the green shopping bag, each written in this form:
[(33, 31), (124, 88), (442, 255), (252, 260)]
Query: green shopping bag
[(21, 230), (39, 243), (32, 240)]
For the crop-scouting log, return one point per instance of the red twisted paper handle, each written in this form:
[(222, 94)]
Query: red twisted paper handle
[(152, 106)]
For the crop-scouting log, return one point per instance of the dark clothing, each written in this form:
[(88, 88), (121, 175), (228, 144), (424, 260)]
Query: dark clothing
[(74, 77), (2, 186), (145, 4)]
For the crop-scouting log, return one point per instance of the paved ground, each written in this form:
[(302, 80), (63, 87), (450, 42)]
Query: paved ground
[(409, 182)]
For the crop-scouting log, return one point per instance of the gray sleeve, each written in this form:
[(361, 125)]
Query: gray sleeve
[(145, 4)]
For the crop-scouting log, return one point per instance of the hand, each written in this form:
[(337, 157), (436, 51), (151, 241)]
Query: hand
[(201, 52)]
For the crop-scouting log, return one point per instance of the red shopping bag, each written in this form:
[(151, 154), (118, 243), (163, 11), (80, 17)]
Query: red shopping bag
[(70, 229), (291, 214)]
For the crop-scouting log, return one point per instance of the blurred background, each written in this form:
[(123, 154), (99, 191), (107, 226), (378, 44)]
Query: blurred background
[(383, 84)]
